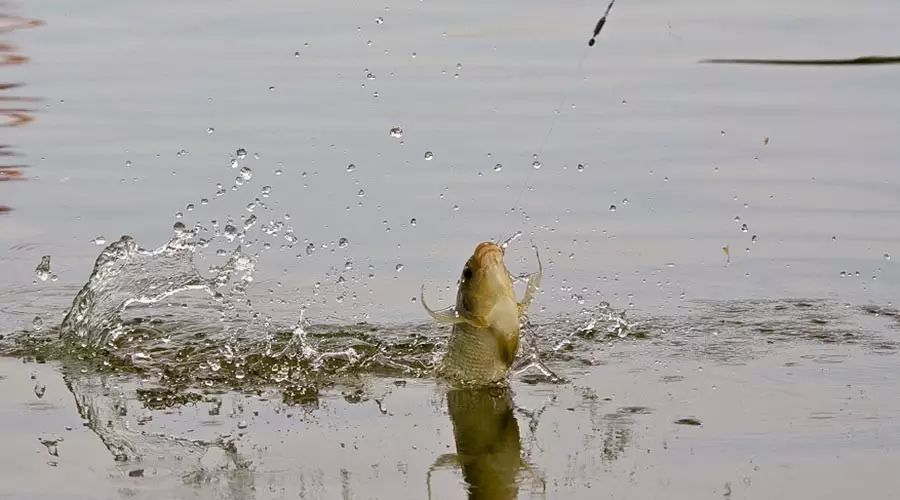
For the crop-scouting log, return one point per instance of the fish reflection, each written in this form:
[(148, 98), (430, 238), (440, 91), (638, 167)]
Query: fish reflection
[(488, 447)]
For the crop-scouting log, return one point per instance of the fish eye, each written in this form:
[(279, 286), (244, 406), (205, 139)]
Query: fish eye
[(467, 272)]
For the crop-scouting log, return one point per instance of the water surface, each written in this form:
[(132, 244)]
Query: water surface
[(781, 349)]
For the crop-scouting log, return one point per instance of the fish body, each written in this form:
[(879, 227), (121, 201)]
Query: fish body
[(486, 320)]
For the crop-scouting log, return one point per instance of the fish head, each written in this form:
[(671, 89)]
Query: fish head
[(485, 285)]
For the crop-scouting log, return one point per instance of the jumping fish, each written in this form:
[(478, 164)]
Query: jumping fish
[(486, 319)]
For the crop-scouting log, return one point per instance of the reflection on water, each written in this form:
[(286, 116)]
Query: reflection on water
[(488, 449), (16, 110)]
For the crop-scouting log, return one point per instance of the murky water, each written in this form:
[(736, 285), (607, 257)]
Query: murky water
[(210, 280)]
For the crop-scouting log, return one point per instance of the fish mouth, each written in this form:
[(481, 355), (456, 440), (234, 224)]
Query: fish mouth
[(488, 253)]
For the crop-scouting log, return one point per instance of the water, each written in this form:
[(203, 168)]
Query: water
[(716, 241)]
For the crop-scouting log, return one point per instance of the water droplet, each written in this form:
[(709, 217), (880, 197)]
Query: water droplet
[(398, 267), (42, 271), (624, 201), (37, 323), (234, 163), (580, 167), (361, 193), (39, 390), (310, 249), (612, 208), (266, 191), (127, 163), (370, 76), (397, 132), (246, 173), (278, 171), (887, 256), (230, 232), (754, 239), (210, 130), (379, 20), (536, 164), (271, 88), (455, 208), (498, 167), (412, 222), (99, 240), (744, 228), (241, 153), (343, 242), (429, 155)]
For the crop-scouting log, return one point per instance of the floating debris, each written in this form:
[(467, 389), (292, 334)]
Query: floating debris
[(864, 60)]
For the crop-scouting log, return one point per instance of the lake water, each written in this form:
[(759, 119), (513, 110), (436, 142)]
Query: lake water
[(738, 220)]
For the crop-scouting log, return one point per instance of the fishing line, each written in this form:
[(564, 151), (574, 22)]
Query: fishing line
[(557, 112), (562, 102)]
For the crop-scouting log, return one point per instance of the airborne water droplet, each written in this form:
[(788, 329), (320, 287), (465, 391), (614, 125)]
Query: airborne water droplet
[(536, 164), (351, 167), (612, 208), (379, 20), (241, 153), (246, 173), (361, 193), (887, 256), (42, 271), (397, 132), (429, 155), (398, 267), (128, 163), (580, 167), (99, 240), (498, 167), (210, 130), (412, 222), (343, 242)]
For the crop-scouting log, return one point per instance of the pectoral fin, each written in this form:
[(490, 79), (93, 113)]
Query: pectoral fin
[(451, 315), (534, 284), (445, 316)]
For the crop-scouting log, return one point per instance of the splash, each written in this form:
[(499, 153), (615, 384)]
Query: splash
[(125, 274)]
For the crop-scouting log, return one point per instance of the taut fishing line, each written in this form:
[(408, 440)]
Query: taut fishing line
[(562, 102), (557, 112)]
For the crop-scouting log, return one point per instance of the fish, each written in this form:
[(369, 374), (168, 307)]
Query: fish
[(486, 318)]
